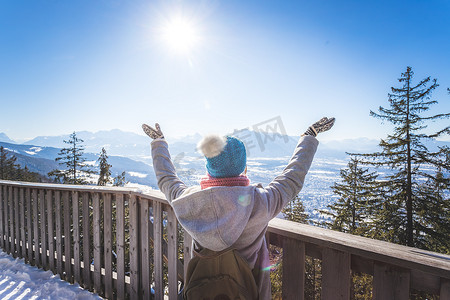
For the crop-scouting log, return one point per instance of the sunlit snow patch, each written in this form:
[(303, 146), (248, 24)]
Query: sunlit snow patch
[(137, 174), (21, 281)]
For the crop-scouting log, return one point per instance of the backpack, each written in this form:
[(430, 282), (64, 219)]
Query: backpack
[(223, 275)]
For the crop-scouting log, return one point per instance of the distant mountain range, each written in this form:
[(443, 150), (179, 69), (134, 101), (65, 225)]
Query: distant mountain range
[(130, 152), (117, 142)]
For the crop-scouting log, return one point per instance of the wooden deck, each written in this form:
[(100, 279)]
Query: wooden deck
[(122, 243)]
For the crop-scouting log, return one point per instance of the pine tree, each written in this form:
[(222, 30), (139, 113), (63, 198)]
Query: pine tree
[(295, 211), (10, 170), (120, 180), (105, 169), (72, 158), (357, 194), (8, 165), (434, 207), (27, 175), (3, 159), (404, 153)]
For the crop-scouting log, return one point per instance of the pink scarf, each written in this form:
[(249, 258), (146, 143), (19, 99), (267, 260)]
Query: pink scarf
[(210, 181)]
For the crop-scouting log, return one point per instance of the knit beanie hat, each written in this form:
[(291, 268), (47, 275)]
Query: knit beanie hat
[(225, 156)]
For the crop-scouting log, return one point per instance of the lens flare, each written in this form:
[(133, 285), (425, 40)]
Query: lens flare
[(272, 267), (244, 200)]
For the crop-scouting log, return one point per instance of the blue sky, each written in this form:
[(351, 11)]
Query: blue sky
[(97, 65)]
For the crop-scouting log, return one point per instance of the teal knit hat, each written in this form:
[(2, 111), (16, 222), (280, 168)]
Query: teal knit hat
[(225, 157)]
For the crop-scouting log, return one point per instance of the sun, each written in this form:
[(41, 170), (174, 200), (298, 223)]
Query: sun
[(180, 34)]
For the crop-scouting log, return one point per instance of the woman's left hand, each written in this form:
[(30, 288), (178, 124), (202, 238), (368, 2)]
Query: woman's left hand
[(152, 132), (322, 125)]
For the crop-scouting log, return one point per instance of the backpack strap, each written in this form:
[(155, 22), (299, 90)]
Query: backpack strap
[(207, 253), (203, 252)]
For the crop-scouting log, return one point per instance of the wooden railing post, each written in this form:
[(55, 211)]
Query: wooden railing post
[(12, 244), (7, 218), (4, 220), (76, 236), (2, 244), (390, 282), (107, 244), (336, 274), (293, 269), (157, 250), (16, 222), (51, 233), (444, 292), (37, 256), (16, 228), (172, 253), (120, 240), (43, 222), (22, 222), (97, 245), (87, 283), (29, 226), (2, 217), (145, 248), (187, 252), (134, 248), (67, 236)]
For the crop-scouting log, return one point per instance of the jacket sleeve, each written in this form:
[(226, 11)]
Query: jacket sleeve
[(288, 184), (168, 181)]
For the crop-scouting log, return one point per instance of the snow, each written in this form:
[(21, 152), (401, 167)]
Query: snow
[(143, 188), (10, 150), (33, 150), (321, 172), (21, 281), (137, 174)]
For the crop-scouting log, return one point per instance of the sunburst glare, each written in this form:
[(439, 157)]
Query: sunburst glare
[(180, 34)]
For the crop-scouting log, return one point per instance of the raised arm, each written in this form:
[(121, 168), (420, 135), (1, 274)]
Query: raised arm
[(168, 181), (288, 184)]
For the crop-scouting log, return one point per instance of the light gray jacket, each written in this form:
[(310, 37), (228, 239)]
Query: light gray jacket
[(221, 217)]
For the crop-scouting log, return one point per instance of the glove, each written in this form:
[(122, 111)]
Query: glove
[(322, 125), (153, 133)]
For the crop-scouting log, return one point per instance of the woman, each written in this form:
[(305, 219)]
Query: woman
[(226, 210)]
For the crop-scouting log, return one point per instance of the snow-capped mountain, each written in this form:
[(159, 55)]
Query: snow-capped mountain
[(5, 138), (117, 142), (41, 159)]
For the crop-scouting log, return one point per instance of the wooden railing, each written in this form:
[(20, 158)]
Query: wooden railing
[(116, 242), (123, 243), (396, 270)]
